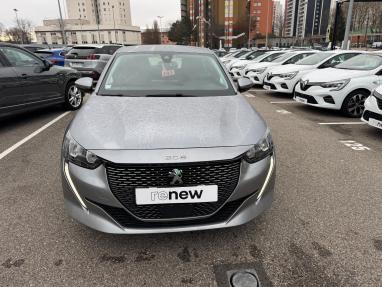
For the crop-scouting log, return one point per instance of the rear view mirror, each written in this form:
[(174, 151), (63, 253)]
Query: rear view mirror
[(85, 84), (244, 84)]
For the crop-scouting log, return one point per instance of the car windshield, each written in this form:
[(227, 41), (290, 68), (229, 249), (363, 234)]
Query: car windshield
[(284, 57), (314, 59), (361, 62), (241, 53), (254, 55), (271, 57), (166, 74)]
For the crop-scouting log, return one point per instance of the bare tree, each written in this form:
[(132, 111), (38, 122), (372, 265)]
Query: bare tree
[(21, 32)]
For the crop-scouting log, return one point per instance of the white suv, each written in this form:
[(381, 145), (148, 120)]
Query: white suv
[(344, 87), (373, 109), (285, 78), (256, 72)]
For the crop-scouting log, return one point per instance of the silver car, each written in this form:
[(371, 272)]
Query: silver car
[(169, 145)]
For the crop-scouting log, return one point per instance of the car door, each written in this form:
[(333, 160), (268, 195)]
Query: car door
[(9, 86), (39, 82)]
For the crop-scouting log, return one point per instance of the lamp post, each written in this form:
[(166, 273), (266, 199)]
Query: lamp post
[(62, 24), (160, 28), (18, 26), (115, 31), (266, 33)]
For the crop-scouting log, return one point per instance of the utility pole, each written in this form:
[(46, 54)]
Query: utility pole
[(115, 31), (249, 2), (160, 28), (18, 26), (345, 45), (266, 33), (62, 24)]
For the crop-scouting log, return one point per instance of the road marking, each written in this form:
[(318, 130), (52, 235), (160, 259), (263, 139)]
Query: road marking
[(343, 123), (248, 95), (354, 145), (256, 90), (284, 102), (283, 112), (32, 135)]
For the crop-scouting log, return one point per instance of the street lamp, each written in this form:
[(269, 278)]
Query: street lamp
[(115, 31), (160, 28), (18, 26), (266, 33)]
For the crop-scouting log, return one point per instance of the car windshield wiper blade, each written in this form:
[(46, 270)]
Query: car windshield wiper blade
[(170, 95)]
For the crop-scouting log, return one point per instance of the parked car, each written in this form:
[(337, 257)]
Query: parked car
[(234, 55), (373, 109), (34, 47), (377, 45), (28, 82), (91, 59), (283, 79), (220, 53), (54, 56), (178, 167), (257, 72), (344, 87), (237, 69), (250, 56)]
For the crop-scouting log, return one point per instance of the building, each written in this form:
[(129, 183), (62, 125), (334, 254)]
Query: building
[(229, 21), (306, 18), (92, 21), (183, 8), (276, 18)]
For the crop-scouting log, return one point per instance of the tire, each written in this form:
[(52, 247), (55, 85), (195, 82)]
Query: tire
[(354, 104), (73, 97)]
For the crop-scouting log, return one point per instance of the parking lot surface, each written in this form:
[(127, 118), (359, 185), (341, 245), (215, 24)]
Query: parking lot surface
[(323, 229)]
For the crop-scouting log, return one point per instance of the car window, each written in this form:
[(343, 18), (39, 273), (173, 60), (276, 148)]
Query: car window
[(338, 60), (254, 55), (166, 73), (80, 52), (314, 59), (108, 50), (20, 58), (283, 57), (297, 58), (271, 57), (363, 62)]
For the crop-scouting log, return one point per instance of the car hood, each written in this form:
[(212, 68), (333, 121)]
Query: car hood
[(260, 65), (333, 74), (166, 122), (240, 63), (291, 68)]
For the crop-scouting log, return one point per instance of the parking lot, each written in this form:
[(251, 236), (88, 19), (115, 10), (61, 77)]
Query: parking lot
[(324, 227)]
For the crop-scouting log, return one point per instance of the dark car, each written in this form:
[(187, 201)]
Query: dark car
[(54, 56), (28, 82)]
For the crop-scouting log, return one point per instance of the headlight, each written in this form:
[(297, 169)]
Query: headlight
[(75, 153), (260, 150), (288, 76), (259, 71), (377, 95), (335, 86)]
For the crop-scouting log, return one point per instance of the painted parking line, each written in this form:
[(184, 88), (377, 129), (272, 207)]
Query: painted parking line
[(343, 123), (283, 112), (354, 145), (32, 135), (248, 95), (284, 102)]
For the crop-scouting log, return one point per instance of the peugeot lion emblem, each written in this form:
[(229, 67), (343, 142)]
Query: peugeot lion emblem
[(176, 175)]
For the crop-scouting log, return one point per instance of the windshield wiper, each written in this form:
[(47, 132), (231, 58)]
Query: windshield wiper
[(169, 95)]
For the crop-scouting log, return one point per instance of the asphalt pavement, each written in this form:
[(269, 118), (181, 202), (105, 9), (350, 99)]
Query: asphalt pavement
[(324, 228)]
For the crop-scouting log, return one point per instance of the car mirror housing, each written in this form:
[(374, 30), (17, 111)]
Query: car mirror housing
[(244, 84), (47, 65), (85, 84)]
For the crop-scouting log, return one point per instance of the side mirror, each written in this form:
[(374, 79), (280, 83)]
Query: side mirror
[(47, 65), (244, 84), (85, 84)]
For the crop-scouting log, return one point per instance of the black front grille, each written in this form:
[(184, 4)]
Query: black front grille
[(379, 103), (269, 77), (329, 99), (367, 115), (126, 220), (273, 87), (124, 179), (310, 99), (305, 86)]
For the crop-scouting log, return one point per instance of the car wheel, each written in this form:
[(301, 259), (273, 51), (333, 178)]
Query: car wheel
[(354, 104), (73, 97)]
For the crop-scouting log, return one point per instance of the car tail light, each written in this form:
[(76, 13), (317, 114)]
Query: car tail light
[(93, 57)]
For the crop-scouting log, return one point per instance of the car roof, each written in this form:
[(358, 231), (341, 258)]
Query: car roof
[(165, 48), (95, 45), (50, 50)]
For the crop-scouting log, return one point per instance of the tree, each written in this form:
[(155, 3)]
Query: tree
[(152, 35), (21, 33), (182, 32)]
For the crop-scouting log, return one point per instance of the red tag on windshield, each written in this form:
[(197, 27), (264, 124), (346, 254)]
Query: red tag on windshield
[(168, 73)]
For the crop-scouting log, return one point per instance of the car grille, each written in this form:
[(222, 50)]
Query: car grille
[(311, 100), (269, 77), (124, 179), (379, 102), (126, 220)]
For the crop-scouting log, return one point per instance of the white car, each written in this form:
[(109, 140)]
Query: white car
[(284, 79), (237, 69), (373, 109), (256, 72), (235, 55), (250, 56), (344, 87)]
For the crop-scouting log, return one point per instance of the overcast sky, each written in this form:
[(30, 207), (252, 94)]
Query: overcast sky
[(143, 11)]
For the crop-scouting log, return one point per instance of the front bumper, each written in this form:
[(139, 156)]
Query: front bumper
[(372, 114), (321, 97), (281, 85), (103, 212), (256, 78), (236, 73)]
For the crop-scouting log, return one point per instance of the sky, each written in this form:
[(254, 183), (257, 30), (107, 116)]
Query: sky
[(143, 12)]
